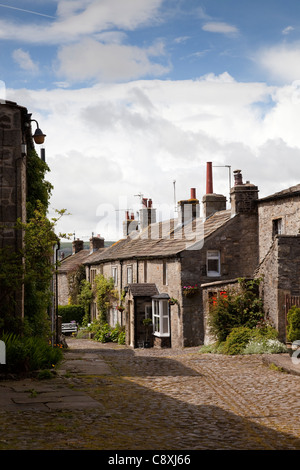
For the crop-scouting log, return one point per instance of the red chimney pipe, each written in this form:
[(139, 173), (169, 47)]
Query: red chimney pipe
[(193, 193), (150, 203), (209, 178), (127, 215)]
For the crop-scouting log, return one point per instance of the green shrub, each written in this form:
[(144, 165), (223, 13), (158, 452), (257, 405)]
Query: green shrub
[(71, 313), (105, 333), (236, 309), (29, 354), (237, 339), (293, 324)]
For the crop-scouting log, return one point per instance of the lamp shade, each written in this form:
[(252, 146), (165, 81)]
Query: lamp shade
[(38, 136)]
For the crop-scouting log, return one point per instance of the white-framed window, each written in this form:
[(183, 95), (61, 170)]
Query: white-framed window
[(161, 317), (165, 273), (276, 227), (213, 263), (129, 275), (114, 274), (114, 317)]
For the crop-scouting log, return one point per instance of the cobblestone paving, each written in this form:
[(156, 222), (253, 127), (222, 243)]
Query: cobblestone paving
[(149, 399)]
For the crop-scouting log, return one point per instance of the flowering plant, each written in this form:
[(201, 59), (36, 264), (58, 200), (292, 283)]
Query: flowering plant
[(189, 290)]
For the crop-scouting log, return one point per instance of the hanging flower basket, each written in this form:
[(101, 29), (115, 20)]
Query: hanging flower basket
[(190, 290), (173, 301), (120, 308)]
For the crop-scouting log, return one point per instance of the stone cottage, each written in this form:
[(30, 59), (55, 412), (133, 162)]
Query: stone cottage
[(162, 266), (72, 263), (278, 257), (279, 254)]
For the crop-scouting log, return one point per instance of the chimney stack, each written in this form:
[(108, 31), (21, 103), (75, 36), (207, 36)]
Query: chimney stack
[(77, 245), (188, 209), (147, 214), (212, 202), (129, 225), (243, 196), (96, 243)]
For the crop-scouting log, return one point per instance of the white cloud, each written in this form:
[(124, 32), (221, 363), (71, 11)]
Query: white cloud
[(91, 59), (282, 61), (24, 61), (220, 27), (78, 19), (288, 30), (107, 143)]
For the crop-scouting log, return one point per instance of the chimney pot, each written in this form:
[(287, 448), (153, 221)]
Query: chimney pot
[(238, 178), (209, 178), (193, 193)]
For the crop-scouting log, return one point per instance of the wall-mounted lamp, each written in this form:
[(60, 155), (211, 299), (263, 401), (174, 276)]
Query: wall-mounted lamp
[(38, 136)]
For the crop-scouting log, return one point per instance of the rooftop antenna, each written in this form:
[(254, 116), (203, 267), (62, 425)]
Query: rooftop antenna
[(229, 171), (140, 195), (174, 187)]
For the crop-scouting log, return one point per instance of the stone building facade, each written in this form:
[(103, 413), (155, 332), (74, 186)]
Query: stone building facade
[(177, 257), (72, 263), (279, 253), (15, 138)]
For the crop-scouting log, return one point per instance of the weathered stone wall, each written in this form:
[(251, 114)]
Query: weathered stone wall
[(237, 242), (63, 289), (288, 209), (12, 182), (280, 271)]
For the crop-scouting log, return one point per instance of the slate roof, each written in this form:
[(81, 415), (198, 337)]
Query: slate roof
[(143, 290), (166, 240), (289, 192)]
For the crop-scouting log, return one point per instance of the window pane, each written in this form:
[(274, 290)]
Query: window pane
[(165, 326), (213, 265)]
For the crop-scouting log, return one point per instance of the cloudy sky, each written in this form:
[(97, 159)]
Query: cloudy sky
[(135, 96)]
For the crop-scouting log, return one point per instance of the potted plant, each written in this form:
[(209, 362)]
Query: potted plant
[(190, 289)]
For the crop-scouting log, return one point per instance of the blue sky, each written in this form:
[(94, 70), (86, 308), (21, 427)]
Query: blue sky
[(136, 94)]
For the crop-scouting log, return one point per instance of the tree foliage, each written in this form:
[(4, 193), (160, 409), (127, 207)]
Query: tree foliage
[(237, 309), (105, 294)]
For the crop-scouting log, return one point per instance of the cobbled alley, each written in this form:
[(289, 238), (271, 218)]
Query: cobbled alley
[(110, 397)]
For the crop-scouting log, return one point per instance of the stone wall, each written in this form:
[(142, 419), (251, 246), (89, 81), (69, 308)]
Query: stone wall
[(237, 242), (288, 209), (12, 182), (280, 271)]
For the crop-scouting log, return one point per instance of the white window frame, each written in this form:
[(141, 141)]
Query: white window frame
[(129, 274), (213, 255), (114, 274), (161, 317), (277, 227)]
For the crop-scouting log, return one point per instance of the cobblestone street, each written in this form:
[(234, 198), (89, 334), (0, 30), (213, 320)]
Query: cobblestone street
[(108, 397)]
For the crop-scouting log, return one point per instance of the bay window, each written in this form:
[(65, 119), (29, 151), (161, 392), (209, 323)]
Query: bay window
[(161, 315)]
